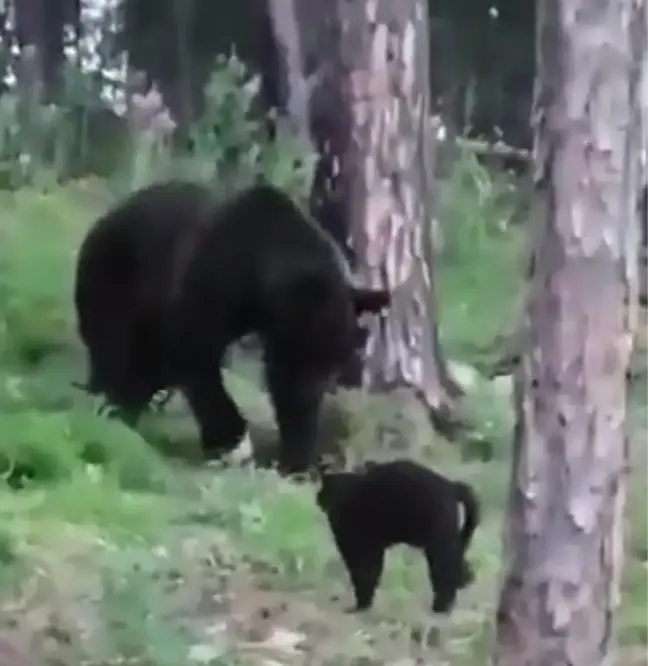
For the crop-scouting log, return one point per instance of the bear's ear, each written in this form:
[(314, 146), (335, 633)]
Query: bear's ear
[(370, 300)]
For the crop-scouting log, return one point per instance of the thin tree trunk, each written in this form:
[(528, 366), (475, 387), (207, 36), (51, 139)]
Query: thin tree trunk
[(368, 116), (565, 527), (388, 162), (40, 24)]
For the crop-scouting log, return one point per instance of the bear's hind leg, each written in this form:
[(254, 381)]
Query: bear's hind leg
[(223, 430)]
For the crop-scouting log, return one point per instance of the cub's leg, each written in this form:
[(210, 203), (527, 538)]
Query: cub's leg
[(445, 561)]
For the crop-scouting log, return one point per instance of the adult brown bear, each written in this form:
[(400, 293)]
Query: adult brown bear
[(167, 279)]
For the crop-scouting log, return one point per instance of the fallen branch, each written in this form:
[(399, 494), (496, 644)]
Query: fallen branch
[(495, 149)]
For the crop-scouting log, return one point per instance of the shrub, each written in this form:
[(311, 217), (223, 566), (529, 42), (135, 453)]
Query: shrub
[(229, 145), (48, 447)]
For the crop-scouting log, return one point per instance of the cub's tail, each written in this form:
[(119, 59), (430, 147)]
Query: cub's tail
[(472, 508)]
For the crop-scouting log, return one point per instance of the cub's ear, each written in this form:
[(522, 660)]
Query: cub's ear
[(334, 488), (370, 300)]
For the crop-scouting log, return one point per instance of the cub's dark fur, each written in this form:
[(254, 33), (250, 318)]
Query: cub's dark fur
[(168, 279), (401, 502)]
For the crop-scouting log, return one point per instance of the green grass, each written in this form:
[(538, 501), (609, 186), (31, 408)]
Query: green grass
[(480, 268), (118, 551)]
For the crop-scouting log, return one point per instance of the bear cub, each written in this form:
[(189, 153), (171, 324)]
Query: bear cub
[(401, 502)]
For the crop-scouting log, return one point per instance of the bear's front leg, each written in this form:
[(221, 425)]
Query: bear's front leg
[(297, 399), (223, 430)]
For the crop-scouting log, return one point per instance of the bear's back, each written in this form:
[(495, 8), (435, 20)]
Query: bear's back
[(263, 230), (257, 246), (138, 243)]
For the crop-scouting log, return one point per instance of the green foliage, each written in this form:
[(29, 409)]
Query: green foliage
[(144, 558), (476, 210), (39, 447), (33, 308), (228, 146), (42, 144), (128, 540), (36, 277), (481, 254), (230, 140)]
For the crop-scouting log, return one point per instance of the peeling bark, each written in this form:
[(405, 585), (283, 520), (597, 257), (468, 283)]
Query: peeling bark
[(288, 38), (366, 64), (640, 39), (564, 540), (385, 168), (385, 48), (307, 40)]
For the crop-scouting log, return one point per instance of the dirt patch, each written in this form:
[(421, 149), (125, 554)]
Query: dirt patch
[(65, 613), (270, 626)]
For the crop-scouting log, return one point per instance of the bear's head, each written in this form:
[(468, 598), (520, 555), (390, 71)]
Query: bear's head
[(368, 300)]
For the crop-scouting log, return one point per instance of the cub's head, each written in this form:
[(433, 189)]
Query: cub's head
[(335, 488)]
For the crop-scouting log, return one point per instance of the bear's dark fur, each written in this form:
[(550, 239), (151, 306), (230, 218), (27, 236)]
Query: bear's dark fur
[(401, 502), (168, 279)]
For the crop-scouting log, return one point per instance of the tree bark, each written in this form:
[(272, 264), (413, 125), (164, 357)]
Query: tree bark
[(368, 115), (565, 529), (388, 162), (40, 23)]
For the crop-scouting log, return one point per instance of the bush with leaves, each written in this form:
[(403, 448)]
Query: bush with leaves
[(229, 145)]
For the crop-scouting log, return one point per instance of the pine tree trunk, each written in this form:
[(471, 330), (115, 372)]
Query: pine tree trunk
[(565, 527), (368, 112), (40, 23)]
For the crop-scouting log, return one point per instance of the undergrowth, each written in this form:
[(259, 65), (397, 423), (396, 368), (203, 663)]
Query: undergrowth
[(102, 524), (118, 545)]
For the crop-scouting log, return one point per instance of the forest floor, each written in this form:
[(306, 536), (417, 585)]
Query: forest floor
[(120, 552)]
